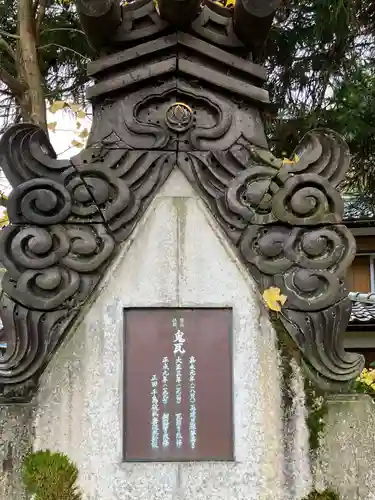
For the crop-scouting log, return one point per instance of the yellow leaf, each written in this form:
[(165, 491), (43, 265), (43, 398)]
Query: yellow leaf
[(75, 107), (76, 144), (56, 106), (81, 114), (291, 162), (273, 298), (84, 133), (4, 219), (52, 126)]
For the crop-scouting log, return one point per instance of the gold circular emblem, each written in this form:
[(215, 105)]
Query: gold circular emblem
[(179, 117)]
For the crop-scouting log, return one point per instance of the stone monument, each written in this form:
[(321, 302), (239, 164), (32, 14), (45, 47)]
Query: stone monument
[(165, 231)]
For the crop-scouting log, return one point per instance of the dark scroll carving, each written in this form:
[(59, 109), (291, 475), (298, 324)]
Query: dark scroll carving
[(62, 235), (179, 13), (141, 19), (100, 19), (286, 220), (253, 20), (176, 94)]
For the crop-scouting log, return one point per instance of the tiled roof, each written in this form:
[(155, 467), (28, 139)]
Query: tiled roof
[(359, 208), (363, 309)]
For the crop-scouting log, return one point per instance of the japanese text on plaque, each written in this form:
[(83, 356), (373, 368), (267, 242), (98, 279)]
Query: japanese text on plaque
[(166, 411)]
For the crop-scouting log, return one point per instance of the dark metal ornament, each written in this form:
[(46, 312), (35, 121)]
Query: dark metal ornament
[(179, 117), (173, 94)]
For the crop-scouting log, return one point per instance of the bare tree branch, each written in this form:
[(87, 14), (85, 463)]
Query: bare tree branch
[(62, 90), (9, 35), (29, 63), (63, 29), (64, 48), (16, 87), (5, 45)]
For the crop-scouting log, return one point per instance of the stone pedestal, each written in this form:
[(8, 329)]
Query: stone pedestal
[(178, 257), (346, 460)]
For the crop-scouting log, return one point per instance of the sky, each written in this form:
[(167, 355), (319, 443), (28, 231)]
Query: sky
[(65, 132)]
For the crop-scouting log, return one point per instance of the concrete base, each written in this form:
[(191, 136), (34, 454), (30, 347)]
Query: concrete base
[(346, 460)]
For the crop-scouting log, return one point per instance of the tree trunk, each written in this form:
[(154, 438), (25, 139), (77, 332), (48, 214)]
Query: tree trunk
[(29, 65)]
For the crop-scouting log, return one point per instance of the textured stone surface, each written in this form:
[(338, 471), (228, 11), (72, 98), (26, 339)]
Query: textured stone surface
[(346, 459), (79, 403), (298, 478), (15, 442)]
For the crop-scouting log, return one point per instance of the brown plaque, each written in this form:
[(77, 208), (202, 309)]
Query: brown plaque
[(178, 384)]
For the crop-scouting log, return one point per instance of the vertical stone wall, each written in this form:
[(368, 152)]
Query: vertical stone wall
[(178, 257), (16, 430), (346, 460)]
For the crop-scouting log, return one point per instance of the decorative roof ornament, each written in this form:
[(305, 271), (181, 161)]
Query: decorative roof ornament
[(173, 90)]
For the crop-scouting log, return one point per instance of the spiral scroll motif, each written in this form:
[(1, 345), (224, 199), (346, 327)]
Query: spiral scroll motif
[(308, 265), (284, 218), (26, 153), (322, 152), (45, 289), (62, 234), (45, 265), (307, 200), (39, 201), (251, 192), (263, 195), (32, 247), (97, 193)]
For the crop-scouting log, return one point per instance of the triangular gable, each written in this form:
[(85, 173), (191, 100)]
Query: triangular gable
[(67, 218)]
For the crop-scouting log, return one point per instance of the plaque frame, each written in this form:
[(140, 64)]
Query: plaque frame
[(230, 457)]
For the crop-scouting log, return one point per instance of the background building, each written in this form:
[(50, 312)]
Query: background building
[(360, 218)]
